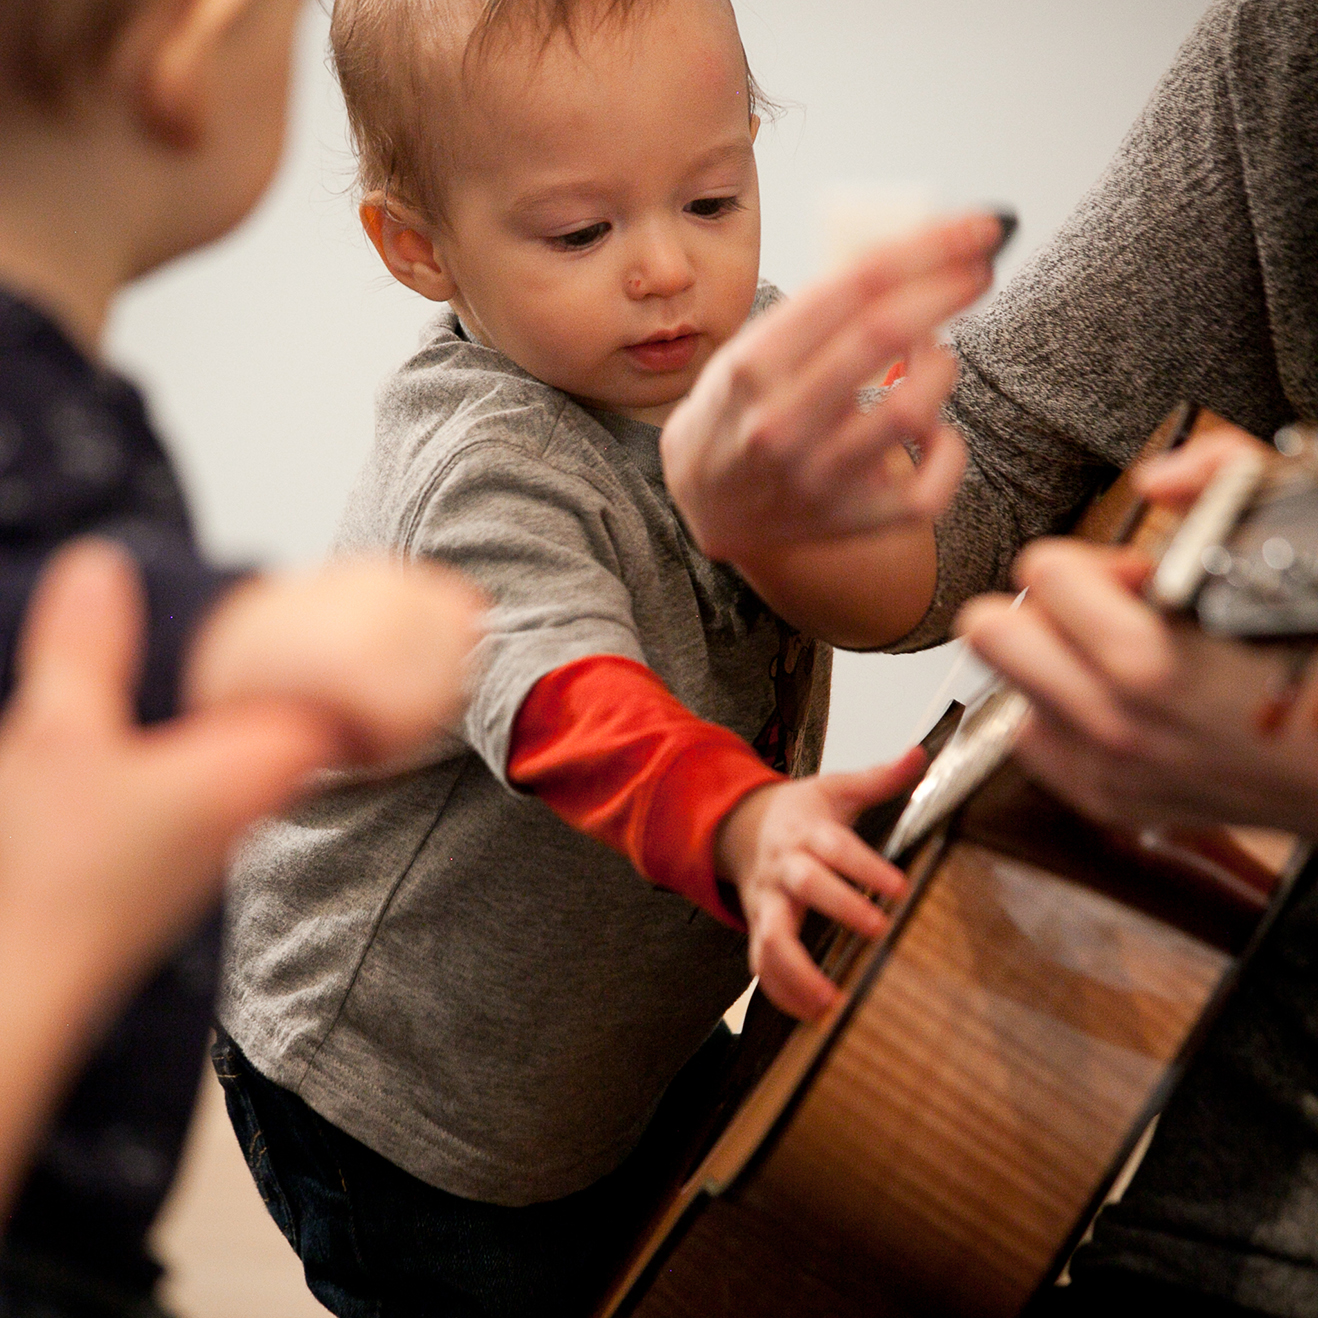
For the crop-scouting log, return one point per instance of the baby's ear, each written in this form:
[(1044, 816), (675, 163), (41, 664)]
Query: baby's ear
[(411, 256)]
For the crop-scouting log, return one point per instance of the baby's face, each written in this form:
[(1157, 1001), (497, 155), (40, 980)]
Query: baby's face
[(603, 226)]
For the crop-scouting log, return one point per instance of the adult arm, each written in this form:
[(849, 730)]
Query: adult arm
[(858, 592), (85, 910), (1184, 273)]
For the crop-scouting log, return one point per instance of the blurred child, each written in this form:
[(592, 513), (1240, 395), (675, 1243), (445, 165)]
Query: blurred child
[(131, 132), (453, 1012)]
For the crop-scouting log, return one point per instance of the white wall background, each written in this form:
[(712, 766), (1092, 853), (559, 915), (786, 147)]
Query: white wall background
[(262, 354)]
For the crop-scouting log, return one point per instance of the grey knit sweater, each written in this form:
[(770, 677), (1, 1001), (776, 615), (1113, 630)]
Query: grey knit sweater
[(1189, 271)]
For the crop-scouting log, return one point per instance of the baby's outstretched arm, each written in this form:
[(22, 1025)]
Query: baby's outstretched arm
[(611, 751), (374, 645)]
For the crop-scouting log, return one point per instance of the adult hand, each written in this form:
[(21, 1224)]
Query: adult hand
[(771, 444), (1137, 720), (112, 837)]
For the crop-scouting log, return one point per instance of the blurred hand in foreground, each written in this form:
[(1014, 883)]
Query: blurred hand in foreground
[(113, 837)]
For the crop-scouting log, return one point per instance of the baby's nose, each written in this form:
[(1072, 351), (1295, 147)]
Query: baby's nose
[(661, 269)]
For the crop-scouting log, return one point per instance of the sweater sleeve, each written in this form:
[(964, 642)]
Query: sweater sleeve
[(1164, 283), (606, 746)]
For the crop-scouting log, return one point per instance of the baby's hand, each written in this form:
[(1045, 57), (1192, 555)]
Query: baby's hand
[(376, 645), (789, 848)]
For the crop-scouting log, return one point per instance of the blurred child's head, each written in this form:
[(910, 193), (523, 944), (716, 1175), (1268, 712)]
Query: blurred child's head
[(147, 127), (575, 176)]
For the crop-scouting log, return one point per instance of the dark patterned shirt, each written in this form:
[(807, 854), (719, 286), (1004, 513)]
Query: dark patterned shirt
[(77, 457)]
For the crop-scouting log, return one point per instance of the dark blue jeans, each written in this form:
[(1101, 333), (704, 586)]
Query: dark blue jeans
[(376, 1242)]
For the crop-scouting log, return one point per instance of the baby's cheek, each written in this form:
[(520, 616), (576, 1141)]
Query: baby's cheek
[(737, 301)]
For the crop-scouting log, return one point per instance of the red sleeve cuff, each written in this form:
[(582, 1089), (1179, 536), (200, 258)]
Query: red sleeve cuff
[(611, 751)]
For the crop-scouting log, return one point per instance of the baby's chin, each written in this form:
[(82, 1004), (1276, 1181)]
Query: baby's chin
[(653, 405)]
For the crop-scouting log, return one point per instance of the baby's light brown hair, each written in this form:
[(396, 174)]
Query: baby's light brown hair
[(49, 47), (397, 60)]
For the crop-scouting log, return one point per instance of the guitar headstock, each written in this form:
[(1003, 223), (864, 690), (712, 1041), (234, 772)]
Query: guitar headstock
[(1261, 580)]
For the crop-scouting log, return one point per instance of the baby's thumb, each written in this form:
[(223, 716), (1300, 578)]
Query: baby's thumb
[(854, 792)]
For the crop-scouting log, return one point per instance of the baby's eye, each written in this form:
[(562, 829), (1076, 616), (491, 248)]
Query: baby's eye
[(579, 238), (710, 208)]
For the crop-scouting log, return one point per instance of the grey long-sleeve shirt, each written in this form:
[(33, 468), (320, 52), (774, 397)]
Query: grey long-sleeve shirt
[(1189, 271)]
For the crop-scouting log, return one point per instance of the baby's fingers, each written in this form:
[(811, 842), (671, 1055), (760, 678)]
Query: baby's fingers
[(818, 887), (853, 792), (843, 852), (790, 979)]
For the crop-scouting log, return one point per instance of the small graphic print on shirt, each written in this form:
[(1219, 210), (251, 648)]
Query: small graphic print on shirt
[(793, 671)]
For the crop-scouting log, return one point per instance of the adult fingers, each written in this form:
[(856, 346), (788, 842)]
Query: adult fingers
[(1020, 644), (81, 643), (853, 466), (1181, 476), (1112, 789), (819, 390), (815, 316), (1084, 591), (873, 499), (938, 477), (788, 976), (916, 403)]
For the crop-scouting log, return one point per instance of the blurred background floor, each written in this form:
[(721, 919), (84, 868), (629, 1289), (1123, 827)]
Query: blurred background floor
[(225, 1256)]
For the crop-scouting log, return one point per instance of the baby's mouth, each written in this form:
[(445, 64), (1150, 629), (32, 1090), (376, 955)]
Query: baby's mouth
[(668, 350)]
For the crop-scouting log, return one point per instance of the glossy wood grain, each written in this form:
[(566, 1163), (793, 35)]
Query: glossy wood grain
[(996, 1057), (937, 1143)]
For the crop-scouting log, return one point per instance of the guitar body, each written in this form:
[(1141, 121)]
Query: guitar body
[(939, 1142)]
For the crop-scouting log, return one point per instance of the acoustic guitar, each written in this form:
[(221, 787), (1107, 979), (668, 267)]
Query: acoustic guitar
[(940, 1141)]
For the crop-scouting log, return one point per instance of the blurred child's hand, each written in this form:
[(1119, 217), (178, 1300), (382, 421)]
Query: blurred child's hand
[(789, 848), (113, 837), (376, 644)]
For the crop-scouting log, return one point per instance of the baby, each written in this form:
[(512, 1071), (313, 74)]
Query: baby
[(453, 1005)]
